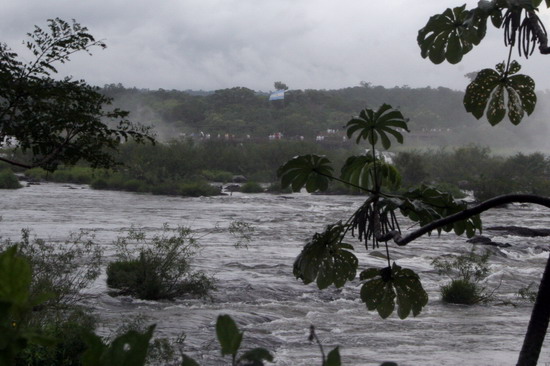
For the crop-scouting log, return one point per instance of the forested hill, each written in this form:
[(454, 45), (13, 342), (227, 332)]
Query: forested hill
[(437, 116)]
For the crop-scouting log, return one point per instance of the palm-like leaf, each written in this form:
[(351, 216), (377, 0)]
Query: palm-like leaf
[(491, 88), (383, 286), (451, 35), (426, 204), (360, 170), (326, 259), (311, 171), (372, 126)]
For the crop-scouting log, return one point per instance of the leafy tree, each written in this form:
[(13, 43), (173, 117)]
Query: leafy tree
[(280, 86), (58, 121)]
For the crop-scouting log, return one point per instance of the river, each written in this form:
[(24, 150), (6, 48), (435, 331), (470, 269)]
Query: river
[(256, 286)]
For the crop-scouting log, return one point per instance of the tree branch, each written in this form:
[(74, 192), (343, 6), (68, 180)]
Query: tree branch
[(465, 214), (15, 163)]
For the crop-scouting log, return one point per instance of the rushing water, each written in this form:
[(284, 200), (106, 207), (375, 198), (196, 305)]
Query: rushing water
[(256, 286)]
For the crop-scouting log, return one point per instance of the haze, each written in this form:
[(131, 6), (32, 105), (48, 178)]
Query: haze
[(214, 44)]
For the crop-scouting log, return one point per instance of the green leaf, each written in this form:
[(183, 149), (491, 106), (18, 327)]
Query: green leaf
[(360, 171), (454, 49), (15, 277), (426, 204), (311, 171), (452, 34), (524, 86), (381, 291), (128, 349), (410, 294), (496, 109), (333, 358), (478, 92), (228, 335), (369, 273), (188, 361), (372, 126), (536, 3), (326, 260), (257, 356), (488, 92), (459, 227)]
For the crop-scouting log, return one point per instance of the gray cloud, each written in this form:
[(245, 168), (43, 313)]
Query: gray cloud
[(212, 44)]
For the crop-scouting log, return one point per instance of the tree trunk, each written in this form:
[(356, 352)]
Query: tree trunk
[(538, 324)]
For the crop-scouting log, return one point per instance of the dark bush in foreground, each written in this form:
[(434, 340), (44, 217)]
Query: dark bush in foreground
[(69, 345), (157, 268), (8, 180)]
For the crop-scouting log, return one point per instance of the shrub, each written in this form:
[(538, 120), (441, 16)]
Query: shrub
[(69, 346), (466, 272), (61, 270), (277, 189), (461, 292), (36, 173), (165, 188), (99, 183), (528, 293), (217, 176), (73, 174), (197, 189), (158, 268), (161, 351), (8, 180), (251, 187), (242, 231), (135, 185)]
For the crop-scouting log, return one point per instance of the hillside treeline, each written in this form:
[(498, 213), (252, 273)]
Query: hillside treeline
[(436, 115)]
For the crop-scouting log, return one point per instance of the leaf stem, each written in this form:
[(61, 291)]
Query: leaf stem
[(508, 62)]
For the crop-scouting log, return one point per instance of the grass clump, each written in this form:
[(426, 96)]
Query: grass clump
[(466, 272), (159, 267)]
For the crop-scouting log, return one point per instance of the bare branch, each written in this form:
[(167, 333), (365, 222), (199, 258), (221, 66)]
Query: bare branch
[(466, 214), (15, 163)]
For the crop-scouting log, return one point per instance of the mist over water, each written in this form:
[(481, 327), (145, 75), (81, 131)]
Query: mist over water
[(257, 288)]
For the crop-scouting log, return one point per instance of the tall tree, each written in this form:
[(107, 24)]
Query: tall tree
[(280, 85), (59, 121)]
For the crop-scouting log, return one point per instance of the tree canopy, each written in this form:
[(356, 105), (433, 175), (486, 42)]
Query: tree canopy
[(58, 120)]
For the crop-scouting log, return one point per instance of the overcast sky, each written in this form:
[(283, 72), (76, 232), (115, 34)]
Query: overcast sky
[(214, 44)]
